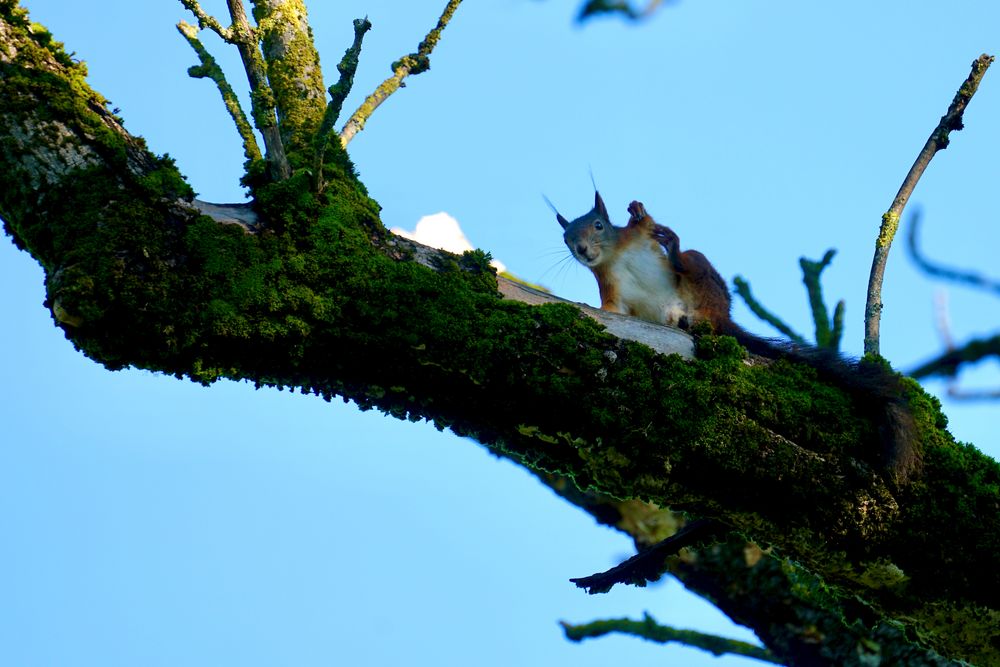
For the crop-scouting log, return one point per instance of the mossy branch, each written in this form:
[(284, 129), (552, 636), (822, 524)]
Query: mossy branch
[(293, 73), (339, 91), (952, 120), (209, 69), (206, 20), (408, 65), (650, 630), (242, 35), (742, 288), (826, 336)]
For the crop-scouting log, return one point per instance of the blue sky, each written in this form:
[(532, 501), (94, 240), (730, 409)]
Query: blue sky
[(150, 521)]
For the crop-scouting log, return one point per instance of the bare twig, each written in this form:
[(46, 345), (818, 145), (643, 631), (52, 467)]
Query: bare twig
[(209, 69), (414, 63), (743, 289), (967, 277), (826, 336), (650, 630), (952, 120), (338, 93)]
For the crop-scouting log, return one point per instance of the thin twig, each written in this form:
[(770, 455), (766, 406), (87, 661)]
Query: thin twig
[(652, 631), (411, 64), (206, 20), (647, 565), (743, 289), (967, 277), (811, 270), (952, 120), (339, 91), (209, 69)]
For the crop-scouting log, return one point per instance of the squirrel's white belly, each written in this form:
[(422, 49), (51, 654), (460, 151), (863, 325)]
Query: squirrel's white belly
[(645, 288)]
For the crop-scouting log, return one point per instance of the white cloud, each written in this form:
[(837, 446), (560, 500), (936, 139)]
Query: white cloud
[(442, 231)]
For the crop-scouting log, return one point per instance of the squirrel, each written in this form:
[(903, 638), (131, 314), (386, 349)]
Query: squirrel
[(641, 271)]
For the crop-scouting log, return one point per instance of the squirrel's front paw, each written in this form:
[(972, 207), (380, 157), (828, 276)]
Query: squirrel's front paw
[(637, 210)]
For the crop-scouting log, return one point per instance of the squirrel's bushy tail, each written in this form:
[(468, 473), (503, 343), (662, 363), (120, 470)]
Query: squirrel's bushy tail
[(873, 383)]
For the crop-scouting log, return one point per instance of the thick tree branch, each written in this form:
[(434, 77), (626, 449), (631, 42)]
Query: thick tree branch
[(293, 72), (952, 120), (328, 302), (414, 63)]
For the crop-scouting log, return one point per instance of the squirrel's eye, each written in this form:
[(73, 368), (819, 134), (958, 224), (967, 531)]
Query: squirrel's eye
[(598, 225)]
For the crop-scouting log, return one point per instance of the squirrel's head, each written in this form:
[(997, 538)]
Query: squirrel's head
[(591, 236)]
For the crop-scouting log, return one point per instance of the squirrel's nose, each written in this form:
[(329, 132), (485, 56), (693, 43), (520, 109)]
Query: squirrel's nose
[(581, 249)]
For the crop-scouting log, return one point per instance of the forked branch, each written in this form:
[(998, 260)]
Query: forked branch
[(414, 63), (952, 120), (209, 69)]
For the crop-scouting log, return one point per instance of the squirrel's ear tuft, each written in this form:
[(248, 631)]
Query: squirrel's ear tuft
[(562, 221), (599, 206)]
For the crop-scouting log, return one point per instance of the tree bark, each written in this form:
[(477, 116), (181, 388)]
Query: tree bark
[(309, 291)]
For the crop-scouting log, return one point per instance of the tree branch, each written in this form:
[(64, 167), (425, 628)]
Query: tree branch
[(647, 565), (968, 277), (650, 630), (144, 280), (339, 91), (412, 64), (742, 288), (261, 96), (293, 72), (826, 336), (947, 364), (210, 69), (952, 120), (594, 8), (206, 20)]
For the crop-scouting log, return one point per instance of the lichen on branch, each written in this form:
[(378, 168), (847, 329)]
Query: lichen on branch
[(408, 65)]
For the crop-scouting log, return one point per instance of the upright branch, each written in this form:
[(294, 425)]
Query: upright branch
[(245, 38), (209, 69), (261, 95), (339, 91), (952, 120), (826, 335), (293, 72), (414, 63)]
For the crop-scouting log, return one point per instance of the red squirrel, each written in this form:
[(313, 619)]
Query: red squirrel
[(641, 271)]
